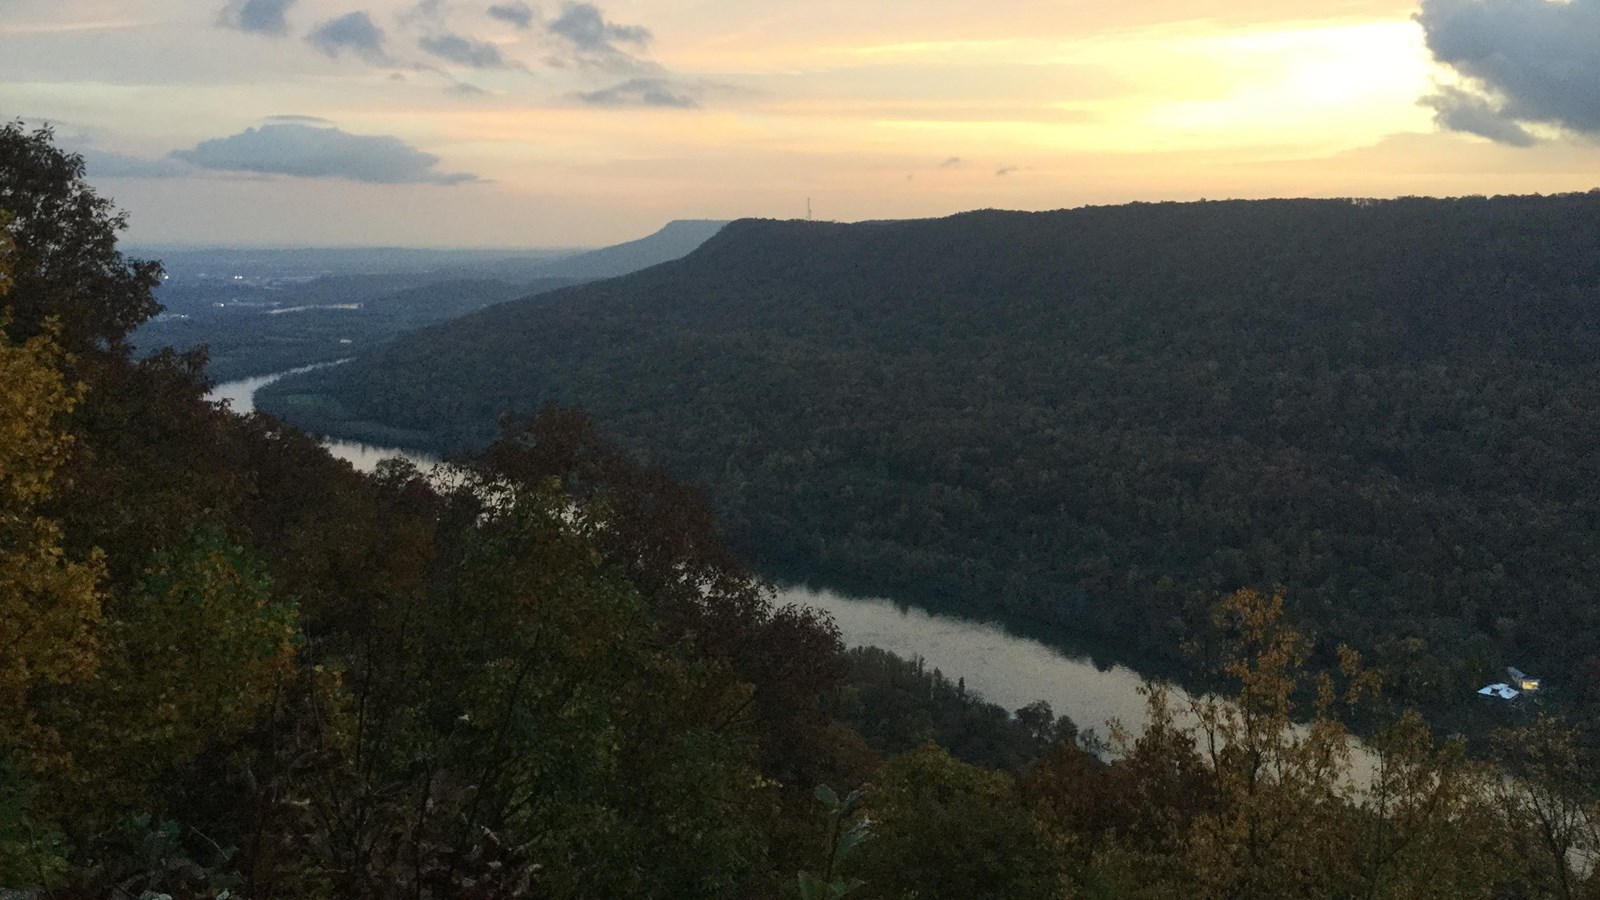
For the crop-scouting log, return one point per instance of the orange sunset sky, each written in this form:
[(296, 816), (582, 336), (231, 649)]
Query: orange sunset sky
[(451, 123)]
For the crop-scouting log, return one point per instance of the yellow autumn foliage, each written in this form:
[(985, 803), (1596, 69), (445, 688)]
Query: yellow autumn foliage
[(49, 602), (191, 655)]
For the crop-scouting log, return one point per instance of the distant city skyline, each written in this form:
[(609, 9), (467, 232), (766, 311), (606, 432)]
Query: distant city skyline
[(445, 123)]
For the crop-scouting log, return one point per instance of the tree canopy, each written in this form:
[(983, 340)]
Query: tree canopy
[(67, 265)]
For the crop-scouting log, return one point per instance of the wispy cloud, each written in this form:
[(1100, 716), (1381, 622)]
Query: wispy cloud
[(657, 92), (587, 37), (355, 32), (464, 51), (424, 11), (257, 16), (518, 14)]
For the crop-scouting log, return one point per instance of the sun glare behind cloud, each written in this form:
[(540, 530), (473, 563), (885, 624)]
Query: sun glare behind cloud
[(1326, 88)]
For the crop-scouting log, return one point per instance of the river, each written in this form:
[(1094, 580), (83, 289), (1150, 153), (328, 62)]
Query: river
[(1004, 668), (241, 398)]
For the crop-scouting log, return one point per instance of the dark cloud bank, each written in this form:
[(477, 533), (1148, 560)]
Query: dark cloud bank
[(308, 152), (1525, 61)]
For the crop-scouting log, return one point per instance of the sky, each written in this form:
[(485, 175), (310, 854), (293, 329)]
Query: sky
[(505, 123)]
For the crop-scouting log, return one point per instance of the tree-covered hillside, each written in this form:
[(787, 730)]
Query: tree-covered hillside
[(1101, 417)]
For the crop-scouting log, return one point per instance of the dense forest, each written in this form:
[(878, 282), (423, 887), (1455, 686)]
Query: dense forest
[(1102, 418), (236, 668)]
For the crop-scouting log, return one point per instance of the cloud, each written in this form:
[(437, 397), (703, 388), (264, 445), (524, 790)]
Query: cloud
[(307, 152), (589, 38), (587, 28), (256, 16), (462, 89), (518, 14), (425, 11), (464, 51), (1458, 110), (951, 162), (1003, 171), (428, 9), (354, 32), (657, 92), (1523, 61), (302, 120)]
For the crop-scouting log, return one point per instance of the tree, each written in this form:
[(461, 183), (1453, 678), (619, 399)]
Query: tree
[(1263, 837), (49, 601), (663, 536), (943, 828), (192, 655), (1552, 805), (67, 263), (1252, 800)]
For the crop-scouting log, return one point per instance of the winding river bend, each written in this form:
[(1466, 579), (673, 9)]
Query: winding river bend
[(241, 398), (1002, 667)]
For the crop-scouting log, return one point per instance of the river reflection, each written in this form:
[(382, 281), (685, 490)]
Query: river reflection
[(1002, 667), (1010, 670)]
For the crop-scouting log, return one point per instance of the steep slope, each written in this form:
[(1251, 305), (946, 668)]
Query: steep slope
[(1102, 417), (675, 240)]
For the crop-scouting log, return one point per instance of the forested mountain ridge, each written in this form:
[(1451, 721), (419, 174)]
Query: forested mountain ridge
[(1100, 417), (672, 241)]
